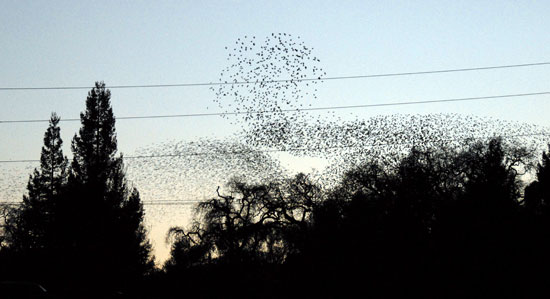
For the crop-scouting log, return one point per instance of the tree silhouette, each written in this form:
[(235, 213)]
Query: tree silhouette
[(264, 222), (480, 235), (537, 194), (105, 215), (30, 229), (536, 232), (245, 236), (439, 222), (82, 225), (30, 226)]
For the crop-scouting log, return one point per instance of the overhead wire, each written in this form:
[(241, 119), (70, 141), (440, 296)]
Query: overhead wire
[(291, 149), (176, 202), (307, 109), (415, 73), (186, 202)]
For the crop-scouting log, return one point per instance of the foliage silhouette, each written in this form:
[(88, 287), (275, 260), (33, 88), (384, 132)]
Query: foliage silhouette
[(256, 223), (537, 227), (537, 194), (106, 215), (440, 223), (30, 227), (81, 227)]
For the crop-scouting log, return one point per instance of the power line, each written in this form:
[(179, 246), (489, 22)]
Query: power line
[(186, 202), (290, 149), (402, 103), (194, 201), (285, 80)]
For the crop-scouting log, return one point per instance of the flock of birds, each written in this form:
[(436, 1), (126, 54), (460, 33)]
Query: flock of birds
[(267, 82), (188, 171), (271, 78)]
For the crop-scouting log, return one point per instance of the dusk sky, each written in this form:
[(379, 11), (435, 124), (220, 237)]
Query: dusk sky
[(75, 43)]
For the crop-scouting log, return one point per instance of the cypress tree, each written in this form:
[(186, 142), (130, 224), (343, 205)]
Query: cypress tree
[(110, 239), (30, 226)]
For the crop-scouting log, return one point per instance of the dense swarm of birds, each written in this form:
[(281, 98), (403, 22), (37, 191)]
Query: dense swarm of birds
[(13, 180), (174, 175), (267, 83), (269, 80), (182, 170), (388, 135), (191, 171), (387, 139)]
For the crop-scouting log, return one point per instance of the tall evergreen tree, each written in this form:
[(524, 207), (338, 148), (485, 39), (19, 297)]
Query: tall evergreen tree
[(95, 146), (30, 227), (537, 194), (110, 237)]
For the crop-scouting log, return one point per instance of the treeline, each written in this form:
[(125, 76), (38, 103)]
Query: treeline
[(437, 223), (440, 223), (79, 230)]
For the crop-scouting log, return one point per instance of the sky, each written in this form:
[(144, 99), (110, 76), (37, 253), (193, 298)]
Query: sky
[(75, 43)]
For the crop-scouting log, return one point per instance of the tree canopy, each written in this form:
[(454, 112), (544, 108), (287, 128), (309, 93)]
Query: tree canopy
[(81, 224), (441, 221)]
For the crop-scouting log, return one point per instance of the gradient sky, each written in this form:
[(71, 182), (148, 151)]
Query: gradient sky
[(75, 43)]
